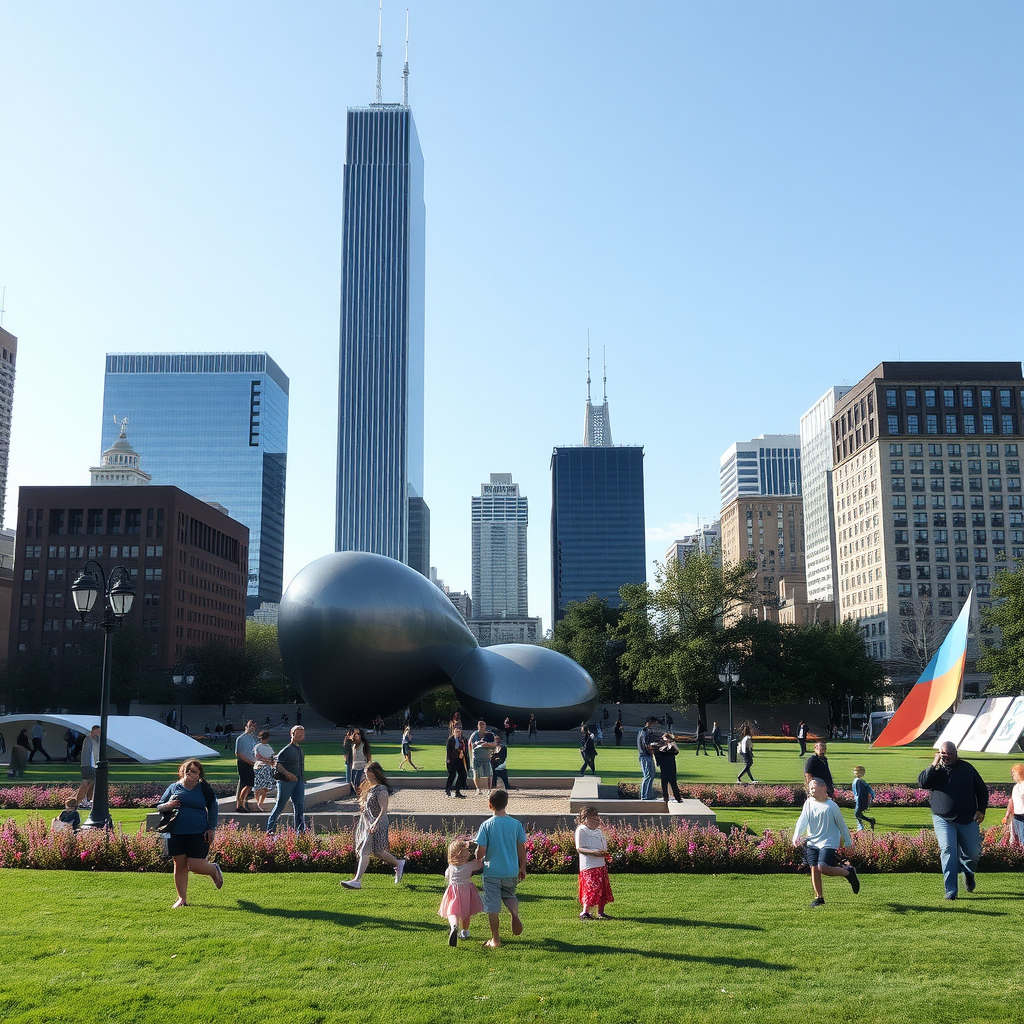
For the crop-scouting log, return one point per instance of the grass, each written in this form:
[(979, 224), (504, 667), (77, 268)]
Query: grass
[(86, 947)]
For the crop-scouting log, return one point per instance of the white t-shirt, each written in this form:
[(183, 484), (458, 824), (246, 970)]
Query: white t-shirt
[(590, 839), (745, 745), (1017, 800)]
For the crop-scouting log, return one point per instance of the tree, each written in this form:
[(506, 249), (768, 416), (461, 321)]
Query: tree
[(830, 663), (1005, 618), (674, 633), (270, 683), (587, 635), (919, 634)]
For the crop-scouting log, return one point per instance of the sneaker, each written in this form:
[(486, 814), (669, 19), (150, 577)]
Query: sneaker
[(464, 934), (399, 871), (817, 902), (970, 883), (461, 796), (453, 936), (218, 878), (352, 884), (871, 822), (585, 916), (853, 879), (950, 896)]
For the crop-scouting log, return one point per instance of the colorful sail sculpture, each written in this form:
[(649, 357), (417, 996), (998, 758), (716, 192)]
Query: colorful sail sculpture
[(935, 691)]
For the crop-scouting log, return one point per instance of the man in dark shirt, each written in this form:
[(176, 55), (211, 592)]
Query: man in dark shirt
[(816, 767), (292, 762), (959, 799)]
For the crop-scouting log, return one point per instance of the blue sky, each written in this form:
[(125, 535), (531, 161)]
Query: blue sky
[(744, 202)]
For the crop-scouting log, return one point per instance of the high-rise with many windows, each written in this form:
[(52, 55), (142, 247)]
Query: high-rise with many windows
[(816, 480), (500, 517), (215, 425), (380, 378), (769, 464), (928, 498), (8, 361)]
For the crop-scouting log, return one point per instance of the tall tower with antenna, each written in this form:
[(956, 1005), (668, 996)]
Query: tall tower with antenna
[(380, 505), (597, 424)]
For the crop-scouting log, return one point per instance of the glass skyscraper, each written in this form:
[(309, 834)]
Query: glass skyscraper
[(380, 389), (215, 425), (597, 523)]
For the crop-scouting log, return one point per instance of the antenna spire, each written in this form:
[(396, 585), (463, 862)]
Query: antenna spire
[(588, 366), (405, 72), (380, 38)]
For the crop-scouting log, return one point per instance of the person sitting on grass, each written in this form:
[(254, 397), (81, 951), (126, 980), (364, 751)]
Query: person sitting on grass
[(69, 817), (824, 829), (501, 845)]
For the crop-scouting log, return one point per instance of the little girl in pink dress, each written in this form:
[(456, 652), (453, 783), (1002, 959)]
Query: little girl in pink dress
[(462, 898)]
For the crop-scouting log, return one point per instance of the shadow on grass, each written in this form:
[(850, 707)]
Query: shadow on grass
[(358, 918), (680, 922), (947, 906), (589, 948)]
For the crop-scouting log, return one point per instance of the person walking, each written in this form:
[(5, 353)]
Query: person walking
[(291, 762), (817, 767), (822, 826), (407, 749), (532, 729), (959, 799), (591, 844), (1014, 817), (863, 795), (190, 834), (645, 743), (716, 739), (501, 845), (746, 750), (618, 730), (588, 751), (702, 740), (801, 738), (456, 752), (372, 827), (37, 742)]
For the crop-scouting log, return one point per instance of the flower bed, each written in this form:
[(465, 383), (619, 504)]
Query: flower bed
[(761, 795), (125, 795), (634, 849)]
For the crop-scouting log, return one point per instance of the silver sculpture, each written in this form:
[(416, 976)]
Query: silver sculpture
[(364, 635)]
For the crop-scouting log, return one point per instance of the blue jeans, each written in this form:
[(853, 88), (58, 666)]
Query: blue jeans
[(959, 849), (647, 783), (296, 792)]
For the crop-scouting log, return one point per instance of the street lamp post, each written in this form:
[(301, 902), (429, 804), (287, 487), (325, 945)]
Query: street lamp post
[(118, 595), (183, 676), (729, 677)]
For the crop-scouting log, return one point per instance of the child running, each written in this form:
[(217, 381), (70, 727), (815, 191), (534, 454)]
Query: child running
[(822, 824), (863, 796), (461, 899), (592, 846)]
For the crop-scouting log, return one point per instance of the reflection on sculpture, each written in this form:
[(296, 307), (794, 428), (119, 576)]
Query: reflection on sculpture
[(363, 635)]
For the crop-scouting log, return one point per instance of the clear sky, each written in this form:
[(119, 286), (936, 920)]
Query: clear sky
[(744, 202)]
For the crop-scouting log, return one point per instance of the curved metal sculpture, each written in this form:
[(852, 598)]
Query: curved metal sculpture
[(364, 635)]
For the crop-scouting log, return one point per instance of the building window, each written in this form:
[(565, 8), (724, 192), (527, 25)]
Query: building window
[(897, 449), (949, 398), (912, 424), (986, 398), (894, 424), (910, 397), (951, 423), (890, 398), (1007, 423), (987, 423), (931, 423)]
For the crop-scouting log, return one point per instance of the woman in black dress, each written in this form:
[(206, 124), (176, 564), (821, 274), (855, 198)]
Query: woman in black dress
[(455, 761)]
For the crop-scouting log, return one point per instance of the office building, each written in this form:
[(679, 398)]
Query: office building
[(8, 364), (769, 464), (380, 378), (816, 481), (215, 425), (706, 540), (499, 520), (488, 632), (187, 560), (927, 493)]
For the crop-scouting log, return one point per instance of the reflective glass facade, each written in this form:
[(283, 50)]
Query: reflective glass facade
[(215, 425), (597, 524), (380, 378)]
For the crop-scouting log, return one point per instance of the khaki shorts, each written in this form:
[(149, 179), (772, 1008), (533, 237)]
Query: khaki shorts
[(498, 891)]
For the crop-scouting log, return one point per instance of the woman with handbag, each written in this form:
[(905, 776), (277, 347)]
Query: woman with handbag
[(361, 757), (189, 807)]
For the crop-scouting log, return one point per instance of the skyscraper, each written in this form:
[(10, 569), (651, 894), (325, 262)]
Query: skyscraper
[(597, 515), (9, 353), (216, 426), (769, 464), (380, 377), (500, 517), (816, 479)]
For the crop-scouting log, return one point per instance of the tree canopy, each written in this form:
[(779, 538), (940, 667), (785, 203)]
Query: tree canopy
[(1004, 656)]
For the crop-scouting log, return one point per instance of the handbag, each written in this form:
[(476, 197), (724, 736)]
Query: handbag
[(166, 817), (277, 772)]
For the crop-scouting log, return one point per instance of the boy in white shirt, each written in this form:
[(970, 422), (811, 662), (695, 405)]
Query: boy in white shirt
[(822, 824)]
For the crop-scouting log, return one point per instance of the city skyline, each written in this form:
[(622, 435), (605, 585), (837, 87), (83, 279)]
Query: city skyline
[(747, 206)]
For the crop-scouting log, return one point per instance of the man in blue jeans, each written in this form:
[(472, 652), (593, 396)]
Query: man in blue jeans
[(645, 740), (959, 799), (292, 763)]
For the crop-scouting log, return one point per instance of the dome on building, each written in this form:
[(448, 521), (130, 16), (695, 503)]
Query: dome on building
[(120, 466)]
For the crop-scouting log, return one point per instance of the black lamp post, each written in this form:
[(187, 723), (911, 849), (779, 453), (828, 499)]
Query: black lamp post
[(183, 676), (118, 595), (729, 677)]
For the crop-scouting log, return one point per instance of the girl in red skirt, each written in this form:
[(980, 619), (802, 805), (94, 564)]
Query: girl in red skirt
[(591, 845), (462, 898)]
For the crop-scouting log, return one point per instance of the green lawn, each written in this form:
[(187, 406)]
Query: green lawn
[(773, 762), (297, 948)]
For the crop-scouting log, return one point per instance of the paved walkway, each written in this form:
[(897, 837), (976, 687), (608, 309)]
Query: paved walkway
[(522, 803)]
